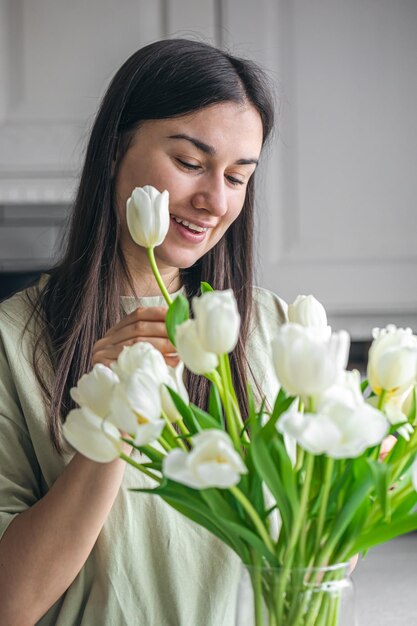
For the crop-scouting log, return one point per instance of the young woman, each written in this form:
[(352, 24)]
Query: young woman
[(76, 546)]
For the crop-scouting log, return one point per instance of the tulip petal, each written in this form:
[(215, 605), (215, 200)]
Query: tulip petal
[(92, 436)]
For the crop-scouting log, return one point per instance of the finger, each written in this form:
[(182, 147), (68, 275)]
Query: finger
[(150, 314), (137, 329), (386, 446), (162, 344), (106, 356), (172, 361)]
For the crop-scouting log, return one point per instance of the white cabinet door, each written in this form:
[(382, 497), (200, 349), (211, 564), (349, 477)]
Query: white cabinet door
[(339, 216)]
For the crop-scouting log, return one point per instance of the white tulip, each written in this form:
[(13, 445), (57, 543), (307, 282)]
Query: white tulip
[(147, 214), (396, 417), (338, 430), (407, 399), (218, 320), (94, 390), (176, 383), (191, 351), (347, 389), (141, 356), (395, 409), (309, 312), (314, 433), (148, 432), (95, 438), (305, 363), (392, 362), (136, 403), (213, 462)]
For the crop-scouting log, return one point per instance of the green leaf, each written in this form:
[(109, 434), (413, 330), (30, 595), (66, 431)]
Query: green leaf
[(204, 419), (187, 414), (251, 401), (219, 505), (268, 471), (381, 475), (151, 453), (383, 532), (282, 403), (352, 502), (397, 452), (231, 519), (178, 312), (205, 287), (286, 471), (215, 407), (190, 503), (407, 504), (412, 414)]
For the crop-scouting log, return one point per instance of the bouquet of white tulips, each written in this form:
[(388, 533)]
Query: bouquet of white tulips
[(300, 484)]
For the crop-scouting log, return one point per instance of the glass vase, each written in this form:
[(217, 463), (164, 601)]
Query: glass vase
[(317, 596)]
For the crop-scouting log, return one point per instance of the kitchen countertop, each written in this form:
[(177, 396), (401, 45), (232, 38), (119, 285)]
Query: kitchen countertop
[(386, 584)]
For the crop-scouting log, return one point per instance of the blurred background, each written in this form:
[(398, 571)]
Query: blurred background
[(337, 194)]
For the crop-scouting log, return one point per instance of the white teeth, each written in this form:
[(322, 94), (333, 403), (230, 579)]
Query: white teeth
[(189, 225)]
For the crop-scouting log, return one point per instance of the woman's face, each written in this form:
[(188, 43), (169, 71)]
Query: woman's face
[(204, 159)]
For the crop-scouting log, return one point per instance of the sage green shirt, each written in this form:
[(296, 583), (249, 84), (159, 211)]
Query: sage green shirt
[(150, 566)]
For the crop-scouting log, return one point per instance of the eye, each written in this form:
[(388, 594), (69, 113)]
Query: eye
[(187, 166), (235, 181)]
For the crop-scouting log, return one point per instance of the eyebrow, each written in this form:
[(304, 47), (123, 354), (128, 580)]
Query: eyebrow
[(210, 150)]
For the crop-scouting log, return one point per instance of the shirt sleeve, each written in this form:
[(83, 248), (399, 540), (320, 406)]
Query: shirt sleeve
[(19, 469), (268, 314)]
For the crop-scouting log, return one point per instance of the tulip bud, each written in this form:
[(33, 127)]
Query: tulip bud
[(309, 312), (135, 402), (147, 214), (191, 351), (141, 356), (305, 364), (218, 321), (176, 383), (95, 389), (95, 438), (392, 362), (339, 430), (213, 462)]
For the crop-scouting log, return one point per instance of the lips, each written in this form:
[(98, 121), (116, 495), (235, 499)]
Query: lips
[(190, 225), (187, 230)]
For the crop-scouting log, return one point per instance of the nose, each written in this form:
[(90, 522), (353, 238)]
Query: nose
[(211, 196)]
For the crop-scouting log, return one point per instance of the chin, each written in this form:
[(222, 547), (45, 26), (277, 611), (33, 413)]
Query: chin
[(181, 261)]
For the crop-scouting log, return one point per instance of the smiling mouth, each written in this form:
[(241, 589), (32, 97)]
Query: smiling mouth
[(194, 228)]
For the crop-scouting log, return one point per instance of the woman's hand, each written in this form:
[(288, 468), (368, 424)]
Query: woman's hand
[(386, 446), (144, 324)]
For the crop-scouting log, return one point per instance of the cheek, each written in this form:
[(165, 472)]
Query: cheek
[(235, 209)]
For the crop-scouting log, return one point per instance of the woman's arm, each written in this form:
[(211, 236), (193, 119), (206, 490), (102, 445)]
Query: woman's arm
[(44, 547)]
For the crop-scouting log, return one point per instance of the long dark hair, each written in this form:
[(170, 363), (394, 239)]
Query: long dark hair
[(81, 299)]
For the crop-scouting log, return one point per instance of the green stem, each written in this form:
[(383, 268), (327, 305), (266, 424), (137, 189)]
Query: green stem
[(155, 270), (381, 400), (311, 405), (183, 428), (251, 511), (228, 409), (328, 471), (140, 467), (173, 432), (256, 577), (296, 529), (164, 444)]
